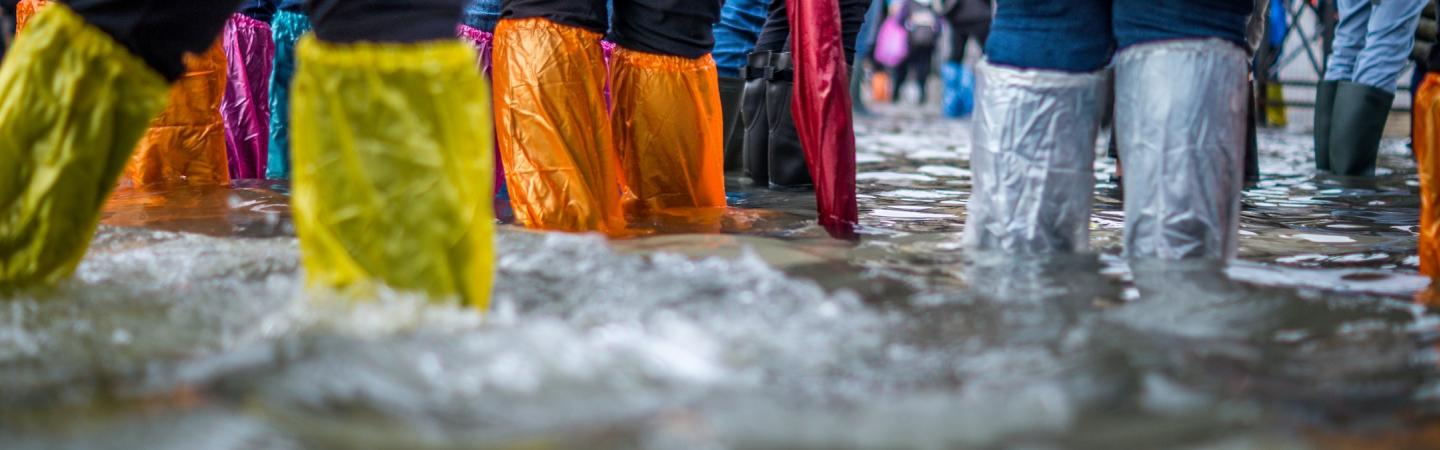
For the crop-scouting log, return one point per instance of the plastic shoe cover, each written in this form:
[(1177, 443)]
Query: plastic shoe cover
[(958, 99), (553, 127), (186, 143), (1033, 157), (288, 26), (1427, 143), (75, 102), (250, 54), (484, 42), (1180, 113), (823, 113), (25, 10), (671, 145), (390, 186)]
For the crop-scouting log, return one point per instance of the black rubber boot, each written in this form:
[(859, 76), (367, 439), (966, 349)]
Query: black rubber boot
[(755, 147), (787, 158), (1358, 123), (731, 90), (1324, 112)]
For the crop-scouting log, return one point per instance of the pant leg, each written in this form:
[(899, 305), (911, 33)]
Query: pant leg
[(1389, 38), (958, 41), (898, 74), (922, 64), (1064, 35), (161, 32), (376, 20), (776, 33), (1142, 21), (1349, 39)]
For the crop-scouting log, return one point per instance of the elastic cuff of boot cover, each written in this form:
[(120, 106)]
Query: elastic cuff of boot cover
[(1033, 183), (65, 27), (667, 63), (1180, 113), (434, 56)]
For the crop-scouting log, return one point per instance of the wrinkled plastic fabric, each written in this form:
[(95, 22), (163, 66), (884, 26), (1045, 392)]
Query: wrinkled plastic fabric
[(1427, 143), (1032, 157), (959, 93), (250, 54), (25, 10), (608, 48), (186, 143), (822, 111), (553, 127), (671, 145), (75, 102), (390, 185), (484, 43), (1180, 112), (288, 26)]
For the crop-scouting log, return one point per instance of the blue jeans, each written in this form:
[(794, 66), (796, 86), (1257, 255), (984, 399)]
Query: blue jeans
[(1082, 35), (736, 33), (1372, 41)]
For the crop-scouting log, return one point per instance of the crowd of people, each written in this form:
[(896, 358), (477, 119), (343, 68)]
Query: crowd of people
[(585, 113)]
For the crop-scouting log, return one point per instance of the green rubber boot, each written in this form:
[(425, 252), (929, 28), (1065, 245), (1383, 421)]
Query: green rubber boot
[(1358, 123), (1324, 110)]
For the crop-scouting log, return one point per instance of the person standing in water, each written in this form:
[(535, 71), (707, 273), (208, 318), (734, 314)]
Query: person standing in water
[(385, 180)]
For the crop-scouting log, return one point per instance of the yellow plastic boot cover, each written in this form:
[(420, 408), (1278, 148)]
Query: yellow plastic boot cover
[(553, 127), (392, 177), (669, 131), (1427, 143), (75, 102), (186, 143)]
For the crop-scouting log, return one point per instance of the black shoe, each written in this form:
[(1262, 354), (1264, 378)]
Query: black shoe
[(756, 124), (1357, 125), (788, 169), (1324, 110), (731, 91)]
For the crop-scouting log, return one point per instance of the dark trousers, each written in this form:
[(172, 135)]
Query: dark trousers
[(775, 37), (162, 31), (1081, 35), (919, 63), (668, 27)]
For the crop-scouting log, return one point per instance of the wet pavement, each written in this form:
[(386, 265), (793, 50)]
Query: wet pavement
[(187, 326)]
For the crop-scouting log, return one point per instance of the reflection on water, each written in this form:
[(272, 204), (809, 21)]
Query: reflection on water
[(187, 324)]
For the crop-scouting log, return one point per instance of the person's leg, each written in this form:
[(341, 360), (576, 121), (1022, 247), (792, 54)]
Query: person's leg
[(670, 145), (250, 56), (1349, 39), (735, 36), (289, 25), (552, 124), (77, 92), (1427, 142), (1039, 97), (1362, 103), (923, 65), (1181, 84), (392, 177), (898, 75)]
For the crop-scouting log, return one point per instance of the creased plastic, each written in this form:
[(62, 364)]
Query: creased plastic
[(390, 185), (669, 131), (186, 143), (1032, 157), (1427, 143), (1180, 111), (484, 43), (250, 55), (553, 127), (287, 26), (25, 10), (73, 103), (822, 109)]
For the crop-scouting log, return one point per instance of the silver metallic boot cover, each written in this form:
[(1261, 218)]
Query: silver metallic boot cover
[(1032, 159), (1180, 121)]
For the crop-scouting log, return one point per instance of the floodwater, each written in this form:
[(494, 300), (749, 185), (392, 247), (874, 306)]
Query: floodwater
[(187, 327)]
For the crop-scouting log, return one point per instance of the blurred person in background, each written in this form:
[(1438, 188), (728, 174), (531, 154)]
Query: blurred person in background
[(1372, 43), (922, 26), (967, 19)]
